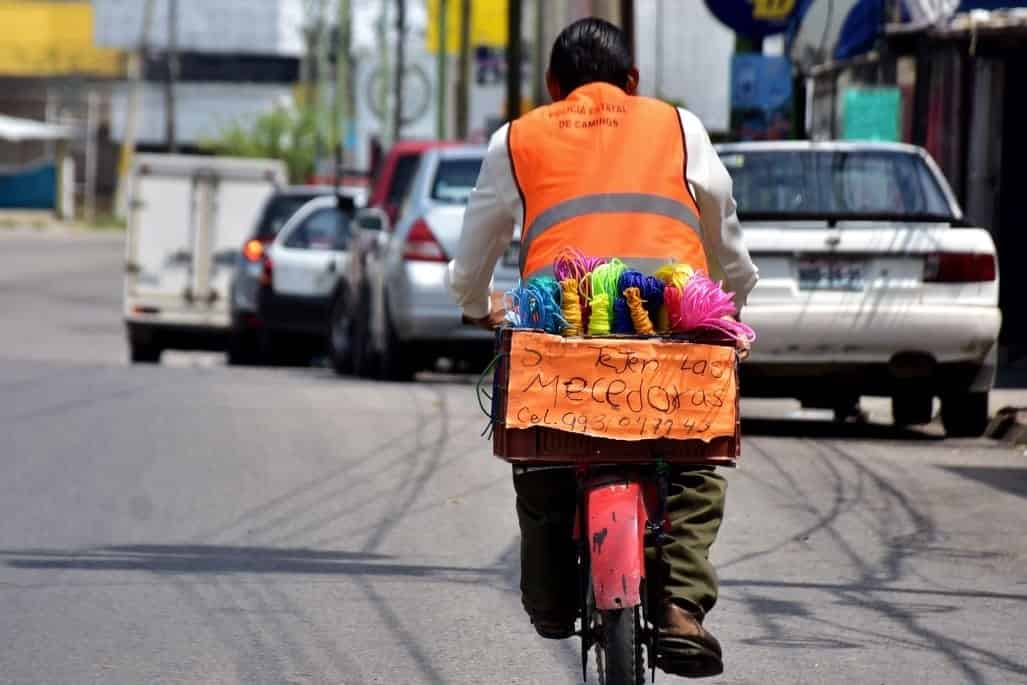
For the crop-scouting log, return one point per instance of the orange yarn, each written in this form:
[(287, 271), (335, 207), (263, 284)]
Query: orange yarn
[(639, 316)]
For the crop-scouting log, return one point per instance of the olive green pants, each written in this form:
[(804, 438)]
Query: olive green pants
[(546, 502)]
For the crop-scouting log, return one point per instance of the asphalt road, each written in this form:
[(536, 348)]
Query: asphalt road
[(193, 523)]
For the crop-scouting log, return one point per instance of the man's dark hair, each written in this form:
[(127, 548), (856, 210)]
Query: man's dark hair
[(590, 50)]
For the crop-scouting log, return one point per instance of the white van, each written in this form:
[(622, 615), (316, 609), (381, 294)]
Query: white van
[(188, 217)]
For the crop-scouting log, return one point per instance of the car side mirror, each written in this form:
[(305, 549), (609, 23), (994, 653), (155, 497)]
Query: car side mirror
[(344, 203), (372, 219)]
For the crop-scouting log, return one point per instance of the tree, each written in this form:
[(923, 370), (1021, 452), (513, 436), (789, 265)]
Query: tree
[(285, 133)]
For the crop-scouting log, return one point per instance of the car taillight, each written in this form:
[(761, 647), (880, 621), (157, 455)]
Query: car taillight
[(422, 245), (266, 271), (253, 250), (959, 267)]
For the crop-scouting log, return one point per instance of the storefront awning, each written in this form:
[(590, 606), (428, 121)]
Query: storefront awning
[(16, 130)]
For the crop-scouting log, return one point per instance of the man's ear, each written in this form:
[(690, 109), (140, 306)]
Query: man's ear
[(553, 86), (632, 87)]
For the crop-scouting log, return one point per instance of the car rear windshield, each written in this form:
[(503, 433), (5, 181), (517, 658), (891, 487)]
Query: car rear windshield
[(838, 184), (278, 210), (455, 179)]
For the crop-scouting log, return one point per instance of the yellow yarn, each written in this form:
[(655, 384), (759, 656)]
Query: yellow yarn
[(639, 316), (675, 274), (571, 307), (585, 287), (599, 320), (663, 319)]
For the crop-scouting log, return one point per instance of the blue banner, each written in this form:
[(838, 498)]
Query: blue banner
[(861, 28), (753, 18), (761, 97), (968, 5), (30, 188)]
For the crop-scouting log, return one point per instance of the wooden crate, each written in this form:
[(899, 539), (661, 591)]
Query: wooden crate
[(542, 446)]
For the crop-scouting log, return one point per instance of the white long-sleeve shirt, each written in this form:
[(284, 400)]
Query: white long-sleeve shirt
[(494, 210)]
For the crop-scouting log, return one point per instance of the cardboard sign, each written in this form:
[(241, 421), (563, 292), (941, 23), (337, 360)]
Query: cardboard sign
[(622, 388)]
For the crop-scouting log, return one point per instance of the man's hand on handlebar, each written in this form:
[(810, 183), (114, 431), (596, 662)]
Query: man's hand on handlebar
[(495, 318), (743, 346)]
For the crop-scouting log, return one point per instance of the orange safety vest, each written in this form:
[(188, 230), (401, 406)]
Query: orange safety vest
[(604, 172)]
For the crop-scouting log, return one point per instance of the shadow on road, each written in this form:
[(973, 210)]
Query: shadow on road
[(1009, 479), (805, 428), (879, 577), (225, 559)]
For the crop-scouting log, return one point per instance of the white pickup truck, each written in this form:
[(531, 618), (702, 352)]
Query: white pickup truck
[(188, 217), (870, 282)]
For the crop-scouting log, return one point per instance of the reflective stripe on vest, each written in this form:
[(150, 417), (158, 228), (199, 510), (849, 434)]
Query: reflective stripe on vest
[(604, 173), (608, 203), (647, 265)]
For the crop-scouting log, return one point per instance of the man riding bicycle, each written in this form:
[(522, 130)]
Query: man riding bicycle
[(611, 174)]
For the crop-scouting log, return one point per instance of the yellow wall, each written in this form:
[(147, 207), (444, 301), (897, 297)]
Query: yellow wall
[(488, 24), (39, 38)]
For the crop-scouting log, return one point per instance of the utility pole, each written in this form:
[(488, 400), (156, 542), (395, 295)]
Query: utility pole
[(401, 34), (463, 106), (128, 142), (441, 68), (172, 77), (308, 68), (538, 73), (513, 60), (384, 93), (92, 121), (659, 48), (325, 84), (341, 115), (627, 23)]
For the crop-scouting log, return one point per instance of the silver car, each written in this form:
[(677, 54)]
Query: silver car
[(396, 316)]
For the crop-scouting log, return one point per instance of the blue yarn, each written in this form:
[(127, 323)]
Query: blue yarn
[(650, 287), (652, 293), (536, 304), (622, 317)]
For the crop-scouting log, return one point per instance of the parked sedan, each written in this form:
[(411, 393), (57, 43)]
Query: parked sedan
[(870, 282), (300, 272), (245, 343), (394, 315)]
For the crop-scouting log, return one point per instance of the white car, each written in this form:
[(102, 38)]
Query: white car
[(870, 282), (300, 275)]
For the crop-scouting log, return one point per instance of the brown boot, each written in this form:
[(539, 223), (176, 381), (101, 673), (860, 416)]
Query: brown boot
[(684, 648)]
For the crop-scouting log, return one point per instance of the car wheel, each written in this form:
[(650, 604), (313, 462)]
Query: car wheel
[(846, 408), (283, 350), (243, 349), (397, 361), (362, 358), (144, 352), (339, 337), (912, 409), (965, 415)]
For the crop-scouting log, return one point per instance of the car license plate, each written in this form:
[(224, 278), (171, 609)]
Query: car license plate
[(512, 256), (831, 274)]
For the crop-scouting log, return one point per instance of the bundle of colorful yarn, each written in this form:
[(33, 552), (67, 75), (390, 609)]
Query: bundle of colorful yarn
[(593, 296)]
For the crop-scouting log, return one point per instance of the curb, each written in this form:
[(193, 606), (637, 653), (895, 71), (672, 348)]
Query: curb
[(1009, 426)]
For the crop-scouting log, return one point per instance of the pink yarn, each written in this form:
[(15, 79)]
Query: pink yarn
[(704, 304), (572, 263)]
